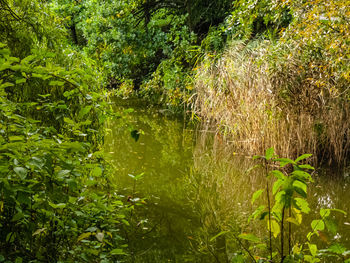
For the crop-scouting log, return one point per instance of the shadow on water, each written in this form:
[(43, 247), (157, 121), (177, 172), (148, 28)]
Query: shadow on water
[(192, 188)]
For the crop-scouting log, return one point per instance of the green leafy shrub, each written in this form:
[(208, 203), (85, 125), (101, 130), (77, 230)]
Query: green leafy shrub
[(56, 203)]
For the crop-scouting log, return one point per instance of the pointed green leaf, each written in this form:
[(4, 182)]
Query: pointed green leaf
[(269, 153), (117, 251), (302, 157), (220, 234), (302, 205), (256, 195), (250, 237)]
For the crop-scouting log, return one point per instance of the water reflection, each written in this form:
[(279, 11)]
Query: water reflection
[(195, 187)]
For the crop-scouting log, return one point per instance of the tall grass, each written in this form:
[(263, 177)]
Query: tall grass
[(265, 94)]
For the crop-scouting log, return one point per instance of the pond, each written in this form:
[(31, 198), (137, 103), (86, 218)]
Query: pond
[(187, 186)]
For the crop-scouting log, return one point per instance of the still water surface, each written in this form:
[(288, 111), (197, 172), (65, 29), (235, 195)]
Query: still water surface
[(192, 187)]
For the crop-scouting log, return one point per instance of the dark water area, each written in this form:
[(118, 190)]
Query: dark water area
[(187, 186)]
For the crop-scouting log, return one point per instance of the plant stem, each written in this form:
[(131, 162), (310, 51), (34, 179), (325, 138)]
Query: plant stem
[(269, 208), (282, 235), (290, 233)]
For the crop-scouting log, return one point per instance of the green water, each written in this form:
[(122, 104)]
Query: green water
[(192, 187)]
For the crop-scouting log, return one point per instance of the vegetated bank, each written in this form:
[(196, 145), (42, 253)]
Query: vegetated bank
[(291, 93), (266, 73), (56, 202)]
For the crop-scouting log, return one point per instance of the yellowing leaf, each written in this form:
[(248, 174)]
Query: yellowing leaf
[(84, 236)]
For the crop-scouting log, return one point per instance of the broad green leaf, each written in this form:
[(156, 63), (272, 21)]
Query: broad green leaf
[(28, 59), (256, 195), (84, 111), (22, 80), (256, 213), (16, 138), (97, 172), (17, 217), (62, 173), (269, 153), (284, 161), (324, 212), (250, 237), (300, 188), (302, 157), (6, 84), (337, 249), (313, 249), (306, 166), (21, 172), (255, 157), (301, 175), (317, 225), (57, 206), (276, 186), (302, 205), (331, 225), (275, 227), (278, 174), (68, 120), (293, 220)]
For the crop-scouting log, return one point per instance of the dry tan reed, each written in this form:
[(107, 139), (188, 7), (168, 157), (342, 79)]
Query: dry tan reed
[(264, 96)]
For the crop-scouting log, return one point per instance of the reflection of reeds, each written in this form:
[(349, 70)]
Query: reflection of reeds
[(221, 193), (221, 189), (264, 96)]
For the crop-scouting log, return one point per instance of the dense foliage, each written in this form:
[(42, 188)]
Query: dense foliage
[(56, 202), (264, 72)]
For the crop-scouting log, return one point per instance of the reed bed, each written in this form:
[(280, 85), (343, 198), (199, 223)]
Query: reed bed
[(261, 95)]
